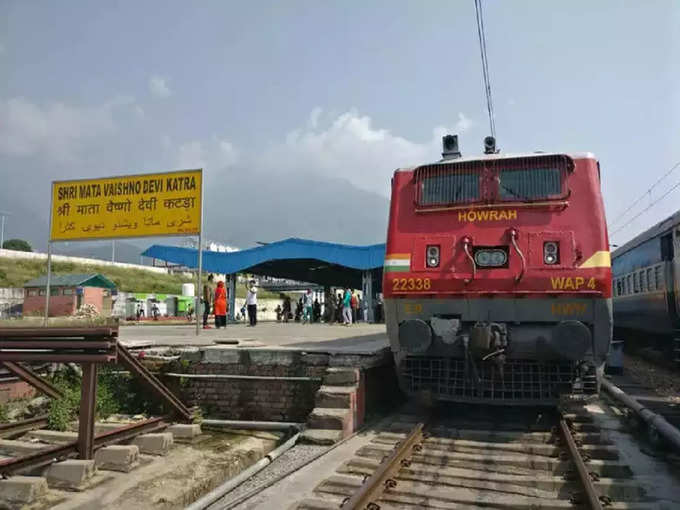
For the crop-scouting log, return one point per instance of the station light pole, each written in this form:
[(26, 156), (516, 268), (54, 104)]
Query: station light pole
[(3, 214)]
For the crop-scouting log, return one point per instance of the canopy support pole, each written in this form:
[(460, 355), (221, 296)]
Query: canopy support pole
[(231, 282), (367, 291)]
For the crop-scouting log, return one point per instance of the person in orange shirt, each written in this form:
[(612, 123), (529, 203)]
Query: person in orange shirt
[(220, 305)]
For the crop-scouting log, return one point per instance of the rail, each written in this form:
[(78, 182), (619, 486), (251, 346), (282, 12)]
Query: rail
[(593, 499), (383, 479), (20, 427), (50, 455)]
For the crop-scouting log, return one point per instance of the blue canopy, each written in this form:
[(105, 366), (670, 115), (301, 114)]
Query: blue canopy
[(298, 259)]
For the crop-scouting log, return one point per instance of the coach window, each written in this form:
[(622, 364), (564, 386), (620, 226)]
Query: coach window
[(658, 277), (650, 279), (643, 281)]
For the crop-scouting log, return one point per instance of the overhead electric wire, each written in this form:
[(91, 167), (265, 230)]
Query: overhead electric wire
[(485, 65), (670, 190), (619, 217)]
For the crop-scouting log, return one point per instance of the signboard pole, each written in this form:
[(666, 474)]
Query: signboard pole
[(199, 288), (49, 281)]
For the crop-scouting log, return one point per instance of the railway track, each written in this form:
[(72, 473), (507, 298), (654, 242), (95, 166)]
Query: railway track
[(559, 461)]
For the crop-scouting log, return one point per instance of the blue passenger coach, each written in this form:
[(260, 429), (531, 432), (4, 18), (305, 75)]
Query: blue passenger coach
[(646, 283)]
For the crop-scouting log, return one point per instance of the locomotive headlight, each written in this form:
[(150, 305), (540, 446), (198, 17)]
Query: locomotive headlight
[(432, 256), (551, 252), (490, 258)]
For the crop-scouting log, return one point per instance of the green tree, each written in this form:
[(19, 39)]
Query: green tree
[(17, 244)]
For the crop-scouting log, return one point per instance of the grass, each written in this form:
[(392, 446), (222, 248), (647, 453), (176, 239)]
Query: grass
[(16, 272)]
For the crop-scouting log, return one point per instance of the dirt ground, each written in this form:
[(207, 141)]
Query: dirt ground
[(171, 482), (663, 381)]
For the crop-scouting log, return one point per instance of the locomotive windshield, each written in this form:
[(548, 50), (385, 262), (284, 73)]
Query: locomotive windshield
[(450, 189), (530, 184), (499, 180)]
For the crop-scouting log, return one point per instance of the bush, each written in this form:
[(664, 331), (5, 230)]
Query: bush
[(65, 409), (17, 245)]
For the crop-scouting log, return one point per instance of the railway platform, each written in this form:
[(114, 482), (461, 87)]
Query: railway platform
[(360, 338)]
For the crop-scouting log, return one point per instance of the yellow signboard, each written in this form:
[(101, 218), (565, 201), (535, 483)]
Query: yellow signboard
[(130, 206)]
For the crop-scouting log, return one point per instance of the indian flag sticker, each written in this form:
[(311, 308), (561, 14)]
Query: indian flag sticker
[(397, 262)]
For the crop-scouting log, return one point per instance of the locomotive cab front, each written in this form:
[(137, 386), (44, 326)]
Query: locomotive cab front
[(497, 277)]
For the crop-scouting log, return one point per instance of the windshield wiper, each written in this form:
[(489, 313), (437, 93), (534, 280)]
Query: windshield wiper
[(513, 192)]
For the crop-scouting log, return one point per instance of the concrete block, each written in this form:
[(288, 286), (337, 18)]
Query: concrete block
[(338, 397), (221, 354), (117, 457), (70, 474), (184, 431), (154, 444), (272, 357), (333, 419), (321, 436), (315, 359), (21, 490), (13, 448), (341, 377), (52, 436)]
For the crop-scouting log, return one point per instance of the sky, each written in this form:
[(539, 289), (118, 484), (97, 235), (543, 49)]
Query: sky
[(300, 111)]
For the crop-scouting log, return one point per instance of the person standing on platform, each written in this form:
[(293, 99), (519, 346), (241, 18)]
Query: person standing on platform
[(329, 315), (347, 308), (308, 304), (251, 302), (316, 311), (354, 303), (208, 295), (220, 306), (286, 309)]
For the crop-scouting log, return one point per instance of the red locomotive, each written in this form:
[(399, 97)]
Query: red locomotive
[(497, 277)]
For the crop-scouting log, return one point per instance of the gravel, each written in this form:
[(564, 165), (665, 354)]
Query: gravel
[(662, 380), (287, 463)]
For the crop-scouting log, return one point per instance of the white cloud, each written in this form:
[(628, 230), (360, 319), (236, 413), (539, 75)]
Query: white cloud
[(463, 123), (190, 155), (159, 87), (350, 147), (56, 130), (314, 116), (214, 154)]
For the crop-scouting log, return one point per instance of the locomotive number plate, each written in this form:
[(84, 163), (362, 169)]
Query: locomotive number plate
[(411, 284)]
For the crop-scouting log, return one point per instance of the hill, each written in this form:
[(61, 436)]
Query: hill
[(16, 272)]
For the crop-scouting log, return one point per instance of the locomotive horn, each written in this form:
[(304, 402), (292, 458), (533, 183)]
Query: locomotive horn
[(450, 147), (490, 145)]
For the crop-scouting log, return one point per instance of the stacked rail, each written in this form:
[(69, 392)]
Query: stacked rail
[(89, 347)]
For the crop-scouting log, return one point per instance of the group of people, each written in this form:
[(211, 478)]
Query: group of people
[(307, 309), (346, 307), (215, 299)]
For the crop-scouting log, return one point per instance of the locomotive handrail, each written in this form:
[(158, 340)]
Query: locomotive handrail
[(513, 239), (466, 247)]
